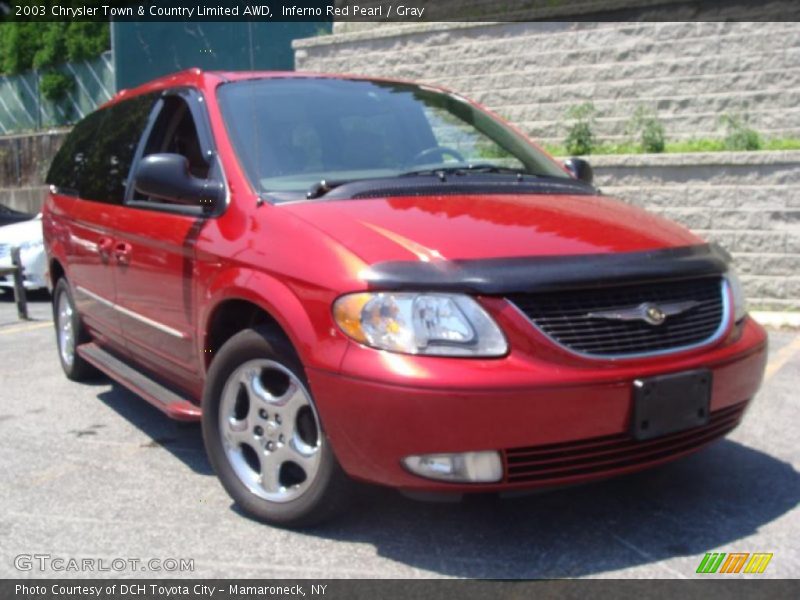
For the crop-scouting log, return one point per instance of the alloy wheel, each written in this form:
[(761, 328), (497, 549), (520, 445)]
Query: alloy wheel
[(270, 430), (66, 335)]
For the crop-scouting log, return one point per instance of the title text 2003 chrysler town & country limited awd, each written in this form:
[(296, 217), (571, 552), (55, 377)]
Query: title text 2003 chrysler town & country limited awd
[(357, 279)]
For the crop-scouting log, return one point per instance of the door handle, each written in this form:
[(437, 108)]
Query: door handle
[(104, 246), (122, 252)]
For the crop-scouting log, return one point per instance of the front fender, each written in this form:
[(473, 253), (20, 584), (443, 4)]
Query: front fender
[(296, 310)]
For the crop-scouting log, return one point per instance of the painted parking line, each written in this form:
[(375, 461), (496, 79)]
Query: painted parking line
[(781, 357), (27, 327)]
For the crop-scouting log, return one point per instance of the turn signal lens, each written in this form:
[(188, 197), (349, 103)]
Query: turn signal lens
[(347, 313), (737, 293)]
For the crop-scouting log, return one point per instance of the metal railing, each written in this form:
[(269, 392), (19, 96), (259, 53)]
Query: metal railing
[(18, 271), (23, 108)]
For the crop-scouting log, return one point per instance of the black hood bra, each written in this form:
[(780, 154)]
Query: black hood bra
[(494, 276)]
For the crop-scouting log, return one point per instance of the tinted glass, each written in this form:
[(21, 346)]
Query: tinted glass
[(112, 149), (292, 133), (70, 160), (96, 157), (175, 132)]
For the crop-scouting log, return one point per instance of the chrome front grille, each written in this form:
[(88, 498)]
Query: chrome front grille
[(610, 322)]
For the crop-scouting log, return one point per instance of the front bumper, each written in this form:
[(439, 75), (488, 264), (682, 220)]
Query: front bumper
[(555, 422)]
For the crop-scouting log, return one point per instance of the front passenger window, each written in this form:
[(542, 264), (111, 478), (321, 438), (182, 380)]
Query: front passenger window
[(175, 132)]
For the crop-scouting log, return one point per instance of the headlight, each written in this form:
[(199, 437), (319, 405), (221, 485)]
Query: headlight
[(420, 323), (737, 293)]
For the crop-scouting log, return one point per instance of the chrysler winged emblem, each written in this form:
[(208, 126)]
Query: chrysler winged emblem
[(649, 312)]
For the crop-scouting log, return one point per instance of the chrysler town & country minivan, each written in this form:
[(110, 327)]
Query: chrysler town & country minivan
[(350, 279)]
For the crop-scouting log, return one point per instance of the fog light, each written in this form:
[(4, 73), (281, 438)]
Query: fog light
[(465, 466)]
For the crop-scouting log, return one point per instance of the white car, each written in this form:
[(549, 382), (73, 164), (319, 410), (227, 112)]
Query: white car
[(28, 236)]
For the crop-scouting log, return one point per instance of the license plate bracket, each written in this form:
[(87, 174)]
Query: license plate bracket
[(670, 403)]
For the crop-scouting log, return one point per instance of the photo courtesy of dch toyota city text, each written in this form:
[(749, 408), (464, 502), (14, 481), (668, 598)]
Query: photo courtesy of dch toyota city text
[(459, 299)]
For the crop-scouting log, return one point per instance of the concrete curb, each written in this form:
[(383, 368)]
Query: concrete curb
[(777, 320)]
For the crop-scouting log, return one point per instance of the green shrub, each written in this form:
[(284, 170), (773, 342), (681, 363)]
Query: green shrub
[(38, 45), (85, 40), (580, 136), (738, 135), (647, 131), (55, 86), (18, 45), (52, 48)]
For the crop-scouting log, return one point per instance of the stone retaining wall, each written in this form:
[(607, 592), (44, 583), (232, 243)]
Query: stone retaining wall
[(24, 161), (748, 202), (690, 73)]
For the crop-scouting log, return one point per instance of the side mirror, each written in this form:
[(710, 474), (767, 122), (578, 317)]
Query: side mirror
[(167, 177), (581, 169)]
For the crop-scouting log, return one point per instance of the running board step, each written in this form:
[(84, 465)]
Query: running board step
[(175, 406)]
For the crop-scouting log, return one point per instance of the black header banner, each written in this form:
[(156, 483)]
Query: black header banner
[(734, 588), (399, 11)]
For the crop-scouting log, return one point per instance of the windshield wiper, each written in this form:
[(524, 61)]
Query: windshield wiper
[(464, 169), (322, 187)]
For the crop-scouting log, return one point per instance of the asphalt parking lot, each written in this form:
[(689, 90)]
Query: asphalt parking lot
[(91, 471)]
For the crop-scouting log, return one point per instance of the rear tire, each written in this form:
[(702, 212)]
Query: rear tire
[(263, 435), (70, 333)]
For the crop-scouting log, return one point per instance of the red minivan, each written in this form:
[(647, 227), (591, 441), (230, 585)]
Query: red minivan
[(362, 279)]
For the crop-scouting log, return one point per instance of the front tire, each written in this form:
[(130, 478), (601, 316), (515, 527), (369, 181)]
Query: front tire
[(263, 435), (70, 333)]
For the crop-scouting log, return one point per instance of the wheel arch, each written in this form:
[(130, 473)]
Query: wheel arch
[(55, 271), (232, 315), (240, 298)]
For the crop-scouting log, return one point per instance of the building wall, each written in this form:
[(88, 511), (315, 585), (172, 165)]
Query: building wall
[(146, 50), (531, 73)]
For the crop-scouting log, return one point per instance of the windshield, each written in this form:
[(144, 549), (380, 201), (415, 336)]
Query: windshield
[(291, 134)]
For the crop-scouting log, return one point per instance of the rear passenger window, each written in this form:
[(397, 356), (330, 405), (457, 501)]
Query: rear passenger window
[(70, 161), (96, 157), (112, 152)]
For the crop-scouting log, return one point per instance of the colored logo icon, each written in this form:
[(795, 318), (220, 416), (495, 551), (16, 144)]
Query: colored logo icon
[(734, 562)]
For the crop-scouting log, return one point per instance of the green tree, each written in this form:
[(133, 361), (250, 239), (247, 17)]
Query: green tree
[(86, 40), (18, 45), (25, 46)]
